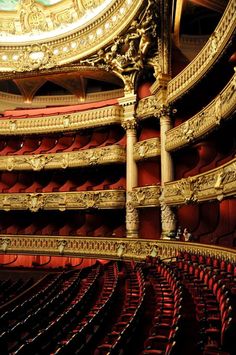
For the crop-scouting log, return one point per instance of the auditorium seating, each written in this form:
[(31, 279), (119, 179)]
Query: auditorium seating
[(102, 309)]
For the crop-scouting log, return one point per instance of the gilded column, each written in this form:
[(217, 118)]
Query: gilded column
[(163, 112), (129, 124), (167, 174)]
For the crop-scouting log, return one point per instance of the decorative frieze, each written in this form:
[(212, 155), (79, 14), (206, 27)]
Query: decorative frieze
[(209, 54), (215, 184), (62, 200), (107, 248), (148, 148), (146, 196), (61, 123), (80, 158), (206, 120)]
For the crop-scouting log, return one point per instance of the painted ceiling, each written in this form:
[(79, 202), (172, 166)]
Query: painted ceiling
[(11, 5)]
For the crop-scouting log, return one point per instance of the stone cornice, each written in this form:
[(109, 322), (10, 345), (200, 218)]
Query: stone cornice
[(76, 44), (146, 196), (148, 148), (107, 248), (214, 184), (206, 58), (204, 121), (63, 200), (80, 158), (62, 123)]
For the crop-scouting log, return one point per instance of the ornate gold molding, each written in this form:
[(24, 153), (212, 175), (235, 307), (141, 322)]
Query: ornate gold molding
[(146, 196), (206, 120), (209, 55), (88, 157), (148, 148), (214, 184), (107, 248), (62, 200), (146, 107), (40, 52), (61, 123)]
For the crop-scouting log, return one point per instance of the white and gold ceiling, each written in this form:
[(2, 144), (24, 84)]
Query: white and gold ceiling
[(38, 34)]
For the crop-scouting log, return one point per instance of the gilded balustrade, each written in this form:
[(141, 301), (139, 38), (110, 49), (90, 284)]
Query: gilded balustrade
[(63, 200), (62, 123), (146, 196), (148, 148), (80, 158), (214, 184), (221, 108), (107, 248), (209, 54)]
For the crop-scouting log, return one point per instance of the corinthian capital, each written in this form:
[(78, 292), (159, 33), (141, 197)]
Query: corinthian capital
[(129, 124), (163, 111)]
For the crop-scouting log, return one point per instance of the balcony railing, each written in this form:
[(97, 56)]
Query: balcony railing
[(62, 123), (63, 200), (206, 120), (209, 54), (107, 248), (80, 158), (214, 184)]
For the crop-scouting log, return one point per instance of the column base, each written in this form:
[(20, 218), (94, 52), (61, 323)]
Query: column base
[(132, 235), (168, 235)]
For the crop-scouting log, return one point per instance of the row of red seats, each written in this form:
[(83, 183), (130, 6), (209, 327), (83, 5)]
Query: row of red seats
[(224, 269), (57, 312), (22, 182), (69, 223), (79, 338), (122, 331), (66, 143), (213, 302), (9, 289), (164, 333), (52, 229)]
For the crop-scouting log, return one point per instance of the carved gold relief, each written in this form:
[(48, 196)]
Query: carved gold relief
[(148, 148), (67, 43), (63, 200), (215, 184), (129, 52), (206, 120), (146, 107), (74, 121), (107, 248), (35, 57), (146, 196), (206, 57), (105, 155)]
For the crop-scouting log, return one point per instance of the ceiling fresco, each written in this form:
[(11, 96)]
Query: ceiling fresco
[(11, 5)]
